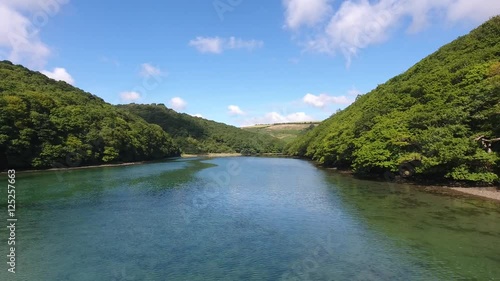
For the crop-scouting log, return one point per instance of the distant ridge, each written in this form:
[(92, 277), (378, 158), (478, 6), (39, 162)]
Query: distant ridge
[(199, 136), (285, 123), (283, 131)]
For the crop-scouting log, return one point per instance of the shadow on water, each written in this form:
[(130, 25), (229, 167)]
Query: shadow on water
[(171, 178), (91, 184), (72, 222)]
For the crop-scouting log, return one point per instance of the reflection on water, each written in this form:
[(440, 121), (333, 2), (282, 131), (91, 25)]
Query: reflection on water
[(245, 219), (454, 236)]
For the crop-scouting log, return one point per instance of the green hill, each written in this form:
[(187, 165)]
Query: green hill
[(197, 135), (46, 123), (283, 131), (438, 120)]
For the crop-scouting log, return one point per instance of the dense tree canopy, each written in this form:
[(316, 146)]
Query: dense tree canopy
[(197, 135), (46, 123), (432, 116)]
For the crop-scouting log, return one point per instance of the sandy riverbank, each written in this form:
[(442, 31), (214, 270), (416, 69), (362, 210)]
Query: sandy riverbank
[(488, 193), (485, 192), (84, 167), (212, 155), (95, 166)]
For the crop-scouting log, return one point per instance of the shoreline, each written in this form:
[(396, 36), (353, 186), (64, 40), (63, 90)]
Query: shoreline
[(82, 167), (183, 156), (223, 155), (212, 155), (95, 166), (490, 193), (484, 193), (487, 194)]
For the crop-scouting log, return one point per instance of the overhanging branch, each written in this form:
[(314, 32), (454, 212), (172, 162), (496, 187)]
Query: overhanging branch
[(487, 142)]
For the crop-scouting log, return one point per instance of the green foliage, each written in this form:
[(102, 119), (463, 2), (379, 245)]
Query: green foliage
[(46, 123), (431, 114), (197, 135)]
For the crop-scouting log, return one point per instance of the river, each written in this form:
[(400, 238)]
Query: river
[(243, 218)]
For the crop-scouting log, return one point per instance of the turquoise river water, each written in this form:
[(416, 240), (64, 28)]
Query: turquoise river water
[(243, 218)]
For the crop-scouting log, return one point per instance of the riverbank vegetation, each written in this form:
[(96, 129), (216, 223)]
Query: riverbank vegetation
[(197, 135), (438, 120), (50, 124)]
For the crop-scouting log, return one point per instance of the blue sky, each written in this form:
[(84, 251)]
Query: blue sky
[(239, 62)]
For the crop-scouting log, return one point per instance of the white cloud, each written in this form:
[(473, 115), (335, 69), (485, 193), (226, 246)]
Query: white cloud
[(275, 117), (359, 24), (18, 39), (50, 7), (148, 70), (197, 115), (356, 25), (130, 96), (217, 45), (235, 110), (59, 74), (237, 43), (294, 117), (20, 23), (178, 104), (477, 10), (305, 12), (323, 100), (207, 44)]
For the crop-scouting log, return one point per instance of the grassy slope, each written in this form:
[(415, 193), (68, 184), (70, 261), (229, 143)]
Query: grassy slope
[(428, 116), (286, 132)]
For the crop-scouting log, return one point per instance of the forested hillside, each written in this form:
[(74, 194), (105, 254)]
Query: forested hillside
[(440, 119), (46, 123), (198, 135)]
